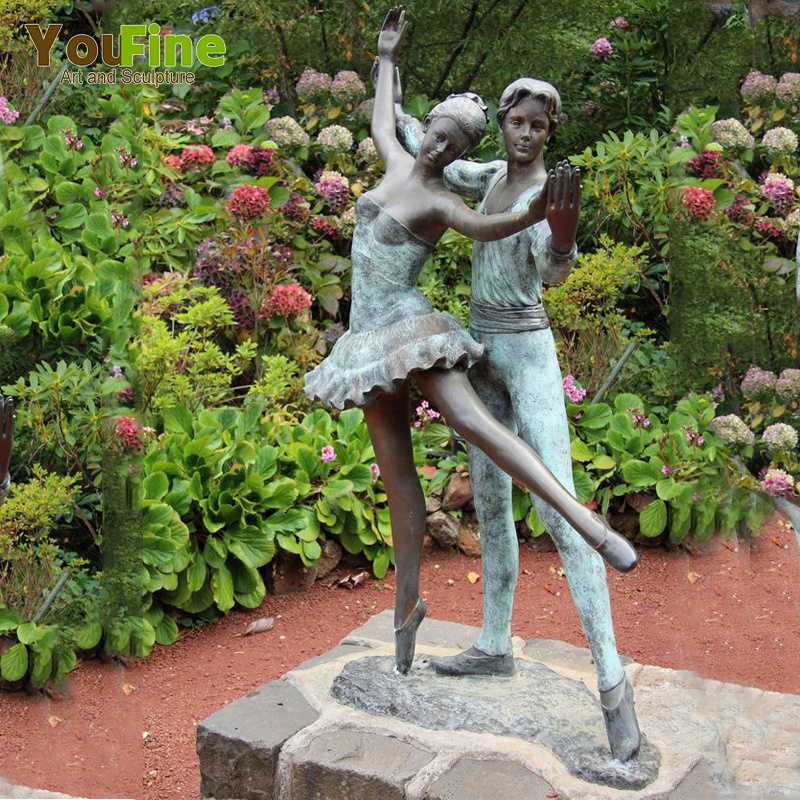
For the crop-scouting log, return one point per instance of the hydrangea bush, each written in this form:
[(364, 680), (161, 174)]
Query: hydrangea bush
[(764, 434)]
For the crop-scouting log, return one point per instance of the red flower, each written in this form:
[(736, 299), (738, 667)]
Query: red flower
[(196, 157), (699, 201), (249, 203), (287, 300)]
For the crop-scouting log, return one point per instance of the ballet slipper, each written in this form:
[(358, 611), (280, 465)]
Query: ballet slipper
[(405, 638)]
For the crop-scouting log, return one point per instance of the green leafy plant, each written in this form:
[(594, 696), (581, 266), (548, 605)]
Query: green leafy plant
[(585, 310), (35, 650)]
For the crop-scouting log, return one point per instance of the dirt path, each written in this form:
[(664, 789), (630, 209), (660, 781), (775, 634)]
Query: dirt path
[(731, 613)]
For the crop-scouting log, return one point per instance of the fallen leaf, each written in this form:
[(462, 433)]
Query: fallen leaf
[(127, 689), (767, 589), (472, 577), (54, 721), (548, 588), (694, 577), (451, 582), (717, 592), (351, 581), (145, 734), (776, 540), (728, 544), (259, 626), (526, 572)]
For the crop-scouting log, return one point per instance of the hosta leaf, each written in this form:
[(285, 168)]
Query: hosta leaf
[(337, 488), (584, 486), (580, 451), (222, 588), (280, 493), (41, 665), (653, 518), (310, 552), (380, 564), (166, 630), (88, 635), (14, 662), (640, 474), (252, 546), (155, 486)]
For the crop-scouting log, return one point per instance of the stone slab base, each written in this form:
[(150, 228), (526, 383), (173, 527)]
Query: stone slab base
[(291, 740)]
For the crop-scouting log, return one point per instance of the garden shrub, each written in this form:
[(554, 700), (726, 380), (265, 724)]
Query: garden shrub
[(39, 644), (672, 468), (584, 310), (765, 436), (736, 233)]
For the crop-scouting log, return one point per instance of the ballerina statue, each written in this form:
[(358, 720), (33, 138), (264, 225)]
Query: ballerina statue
[(395, 334)]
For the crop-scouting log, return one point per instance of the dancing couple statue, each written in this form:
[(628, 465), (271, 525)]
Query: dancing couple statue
[(498, 384)]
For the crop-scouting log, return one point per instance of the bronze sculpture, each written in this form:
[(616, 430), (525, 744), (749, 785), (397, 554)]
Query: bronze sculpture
[(520, 382), (395, 333)]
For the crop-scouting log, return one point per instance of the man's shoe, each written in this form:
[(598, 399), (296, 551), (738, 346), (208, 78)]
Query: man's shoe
[(474, 662)]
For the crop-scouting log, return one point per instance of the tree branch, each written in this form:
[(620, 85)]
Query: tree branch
[(465, 32), (476, 67)]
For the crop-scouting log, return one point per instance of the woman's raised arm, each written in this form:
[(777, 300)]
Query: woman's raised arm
[(383, 121)]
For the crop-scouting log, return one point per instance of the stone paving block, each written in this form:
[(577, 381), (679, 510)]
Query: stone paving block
[(355, 765), (9, 791), (239, 745), (334, 653), (471, 779), (432, 632)]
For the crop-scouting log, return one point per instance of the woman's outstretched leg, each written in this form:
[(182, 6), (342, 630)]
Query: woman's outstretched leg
[(453, 394), (387, 422)]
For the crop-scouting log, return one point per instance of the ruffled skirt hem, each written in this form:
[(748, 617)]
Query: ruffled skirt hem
[(363, 365)]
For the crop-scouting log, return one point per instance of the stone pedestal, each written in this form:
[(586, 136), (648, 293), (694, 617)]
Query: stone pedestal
[(344, 727)]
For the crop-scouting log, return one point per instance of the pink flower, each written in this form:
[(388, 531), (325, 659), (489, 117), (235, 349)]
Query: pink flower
[(324, 226), (779, 190), (771, 228), (249, 203), (119, 220), (699, 201), (261, 161), (287, 300), (238, 154), (639, 419), (740, 210), (573, 392), (335, 188), (98, 192), (8, 115), (777, 483), (327, 454), (376, 472), (128, 431), (425, 414), (693, 437), (127, 159), (601, 49), (173, 161), (619, 22), (665, 470), (196, 157)]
